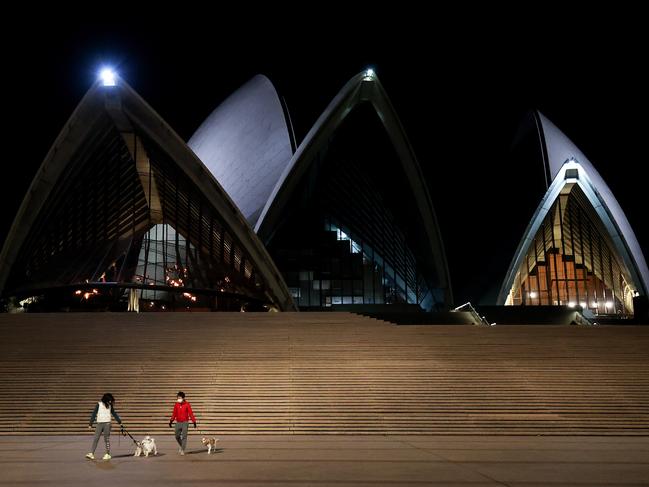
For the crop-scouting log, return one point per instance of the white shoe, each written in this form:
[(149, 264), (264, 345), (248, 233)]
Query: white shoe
[(91, 456), (182, 452), (106, 457)]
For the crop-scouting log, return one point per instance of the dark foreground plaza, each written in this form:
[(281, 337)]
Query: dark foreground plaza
[(324, 399), (345, 460)]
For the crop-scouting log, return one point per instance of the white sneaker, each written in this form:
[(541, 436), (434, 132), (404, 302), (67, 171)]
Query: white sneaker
[(182, 452), (106, 457), (91, 456)]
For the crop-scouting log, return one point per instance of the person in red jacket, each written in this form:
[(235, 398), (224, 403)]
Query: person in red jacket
[(182, 414)]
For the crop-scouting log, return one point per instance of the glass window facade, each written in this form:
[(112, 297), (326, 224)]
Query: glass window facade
[(351, 234), (571, 262), (124, 215), (344, 269)]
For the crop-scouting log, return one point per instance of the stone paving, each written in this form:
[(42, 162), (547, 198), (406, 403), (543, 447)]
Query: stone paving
[(343, 460)]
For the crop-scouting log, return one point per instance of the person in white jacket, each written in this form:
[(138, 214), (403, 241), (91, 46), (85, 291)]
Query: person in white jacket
[(103, 413)]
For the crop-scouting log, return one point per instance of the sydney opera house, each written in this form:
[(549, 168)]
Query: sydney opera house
[(579, 248), (125, 215)]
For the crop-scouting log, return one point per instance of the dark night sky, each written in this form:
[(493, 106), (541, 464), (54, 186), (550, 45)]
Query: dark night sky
[(460, 89)]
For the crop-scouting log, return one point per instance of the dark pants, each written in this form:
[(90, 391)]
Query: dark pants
[(99, 429), (181, 433)]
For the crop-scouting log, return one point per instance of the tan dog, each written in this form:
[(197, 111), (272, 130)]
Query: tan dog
[(210, 443)]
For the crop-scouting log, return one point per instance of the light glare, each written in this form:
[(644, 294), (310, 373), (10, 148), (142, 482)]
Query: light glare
[(108, 77)]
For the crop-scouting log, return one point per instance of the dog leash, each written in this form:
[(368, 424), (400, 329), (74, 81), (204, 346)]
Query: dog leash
[(125, 432)]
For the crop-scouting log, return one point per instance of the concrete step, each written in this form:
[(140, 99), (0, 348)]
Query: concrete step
[(298, 373)]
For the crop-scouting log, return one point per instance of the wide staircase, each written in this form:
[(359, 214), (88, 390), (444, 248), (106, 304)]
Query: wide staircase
[(321, 373)]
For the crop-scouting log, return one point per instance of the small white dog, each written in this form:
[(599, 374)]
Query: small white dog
[(146, 446), (210, 443)]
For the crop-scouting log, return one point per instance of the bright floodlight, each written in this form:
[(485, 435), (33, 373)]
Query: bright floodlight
[(108, 77), (369, 73)]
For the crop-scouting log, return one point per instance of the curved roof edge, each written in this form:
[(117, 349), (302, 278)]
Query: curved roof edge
[(77, 127), (122, 96), (246, 143), (560, 151), (364, 86)]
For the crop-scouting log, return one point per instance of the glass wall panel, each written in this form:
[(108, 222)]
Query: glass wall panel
[(571, 262)]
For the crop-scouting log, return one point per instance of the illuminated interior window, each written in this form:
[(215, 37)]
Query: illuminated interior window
[(571, 260)]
